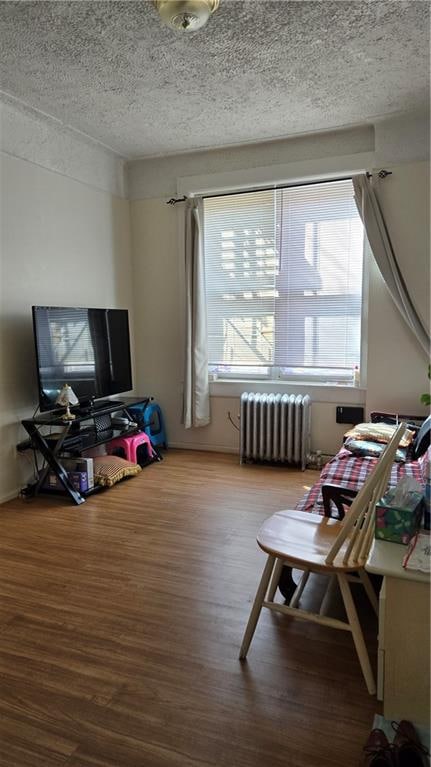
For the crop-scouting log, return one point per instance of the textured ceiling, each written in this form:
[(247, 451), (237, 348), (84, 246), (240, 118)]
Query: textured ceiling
[(260, 69)]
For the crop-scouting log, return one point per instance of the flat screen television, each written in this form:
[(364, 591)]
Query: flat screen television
[(87, 348)]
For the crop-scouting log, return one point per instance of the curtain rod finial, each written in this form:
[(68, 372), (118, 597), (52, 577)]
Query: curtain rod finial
[(381, 174), (174, 200)]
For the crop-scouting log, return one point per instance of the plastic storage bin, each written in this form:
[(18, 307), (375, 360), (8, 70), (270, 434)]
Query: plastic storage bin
[(150, 420)]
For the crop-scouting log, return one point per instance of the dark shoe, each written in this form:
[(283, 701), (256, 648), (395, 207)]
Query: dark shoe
[(410, 751), (286, 584), (378, 751)]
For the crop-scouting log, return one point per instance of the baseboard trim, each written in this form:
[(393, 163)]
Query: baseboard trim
[(204, 446), (9, 496), (178, 445)]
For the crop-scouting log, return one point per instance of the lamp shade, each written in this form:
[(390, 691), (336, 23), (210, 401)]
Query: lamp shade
[(66, 396)]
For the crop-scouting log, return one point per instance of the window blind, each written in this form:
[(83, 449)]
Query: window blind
[(68, 343), (284, 280)]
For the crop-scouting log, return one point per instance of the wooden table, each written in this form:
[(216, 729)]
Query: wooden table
[(403, 678)]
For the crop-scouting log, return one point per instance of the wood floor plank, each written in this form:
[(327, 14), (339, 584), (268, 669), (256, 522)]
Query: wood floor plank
[(121, 621), (25, 743)]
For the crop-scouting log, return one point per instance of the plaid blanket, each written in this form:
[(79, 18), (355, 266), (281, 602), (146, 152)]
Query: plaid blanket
[(351, 472)]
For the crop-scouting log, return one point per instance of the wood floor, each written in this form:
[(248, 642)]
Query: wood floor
[(121, 621)]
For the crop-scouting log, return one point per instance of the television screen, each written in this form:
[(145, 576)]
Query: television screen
[(87, 348)]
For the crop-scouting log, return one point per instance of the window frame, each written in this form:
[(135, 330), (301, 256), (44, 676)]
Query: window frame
[(275, 373), (257, 172)]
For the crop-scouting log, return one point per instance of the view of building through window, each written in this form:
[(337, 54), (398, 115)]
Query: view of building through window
[(284, 281)]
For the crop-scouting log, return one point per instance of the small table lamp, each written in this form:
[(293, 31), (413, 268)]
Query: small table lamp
[(66, 398)]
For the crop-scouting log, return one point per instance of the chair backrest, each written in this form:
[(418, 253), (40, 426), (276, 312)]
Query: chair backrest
[(422, 439), (358, 524)]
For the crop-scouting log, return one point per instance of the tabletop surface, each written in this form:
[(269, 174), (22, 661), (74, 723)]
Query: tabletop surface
[(53, 418), (386, 558)]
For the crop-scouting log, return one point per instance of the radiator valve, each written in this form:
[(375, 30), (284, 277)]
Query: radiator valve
[(315, 460)]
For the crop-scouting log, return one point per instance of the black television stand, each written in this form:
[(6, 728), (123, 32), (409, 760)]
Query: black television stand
[(75, 437), (96, 405)]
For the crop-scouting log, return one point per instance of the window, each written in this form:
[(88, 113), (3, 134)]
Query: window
[(66, 344), (284, 282)]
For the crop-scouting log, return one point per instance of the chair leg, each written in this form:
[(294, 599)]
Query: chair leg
[(358, 637), (368, 586), (328, 595), (275, 579), (257, 607)]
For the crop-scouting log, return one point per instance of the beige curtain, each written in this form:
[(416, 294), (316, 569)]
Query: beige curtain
[(380, 243), (196, 403)]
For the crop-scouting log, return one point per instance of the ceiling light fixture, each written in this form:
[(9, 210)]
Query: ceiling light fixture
[(186, 15)]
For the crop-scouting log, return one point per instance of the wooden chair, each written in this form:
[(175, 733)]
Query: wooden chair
[(316, 544)]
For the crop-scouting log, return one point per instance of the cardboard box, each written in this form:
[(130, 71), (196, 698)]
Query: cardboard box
[(395, 524), (79, 480), (80, 465)]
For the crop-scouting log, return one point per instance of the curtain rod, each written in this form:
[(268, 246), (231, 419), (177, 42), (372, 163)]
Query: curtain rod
[(381, 174)]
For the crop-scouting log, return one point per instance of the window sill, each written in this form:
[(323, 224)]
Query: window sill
[(319, 392)]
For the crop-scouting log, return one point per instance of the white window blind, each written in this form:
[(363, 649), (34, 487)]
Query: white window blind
[(66, 342), (284, 281)]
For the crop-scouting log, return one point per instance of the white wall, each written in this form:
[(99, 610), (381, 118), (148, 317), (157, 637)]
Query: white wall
[(62, 243), (396, 370), (157, 177), (33, 136)]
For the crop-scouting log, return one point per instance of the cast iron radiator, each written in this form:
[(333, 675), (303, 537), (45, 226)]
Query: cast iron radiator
[(275, 428)]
